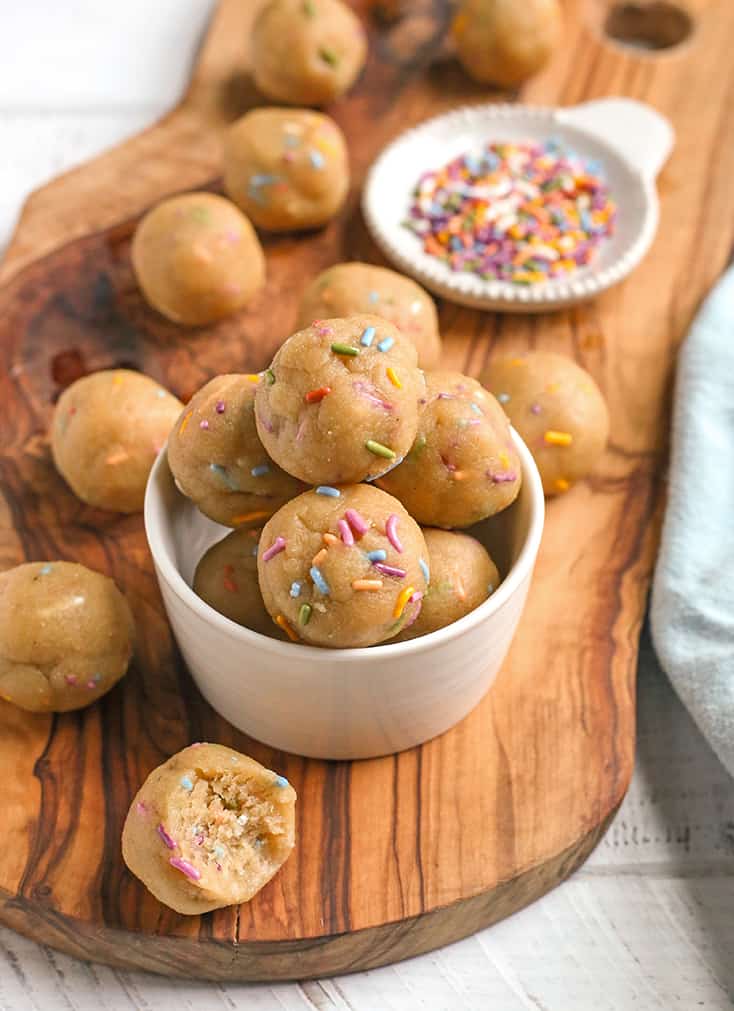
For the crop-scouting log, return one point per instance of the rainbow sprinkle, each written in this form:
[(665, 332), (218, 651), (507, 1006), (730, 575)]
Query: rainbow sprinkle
[(523, 212)]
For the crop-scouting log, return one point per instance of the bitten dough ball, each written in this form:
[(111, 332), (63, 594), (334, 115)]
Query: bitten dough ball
[(209, 828), (287, 169), (462, 466), (342, 567), (339, 404), (504, 42), (226, 578), (66, 636), (558, 410), (306, 52), (350, 288), (106, 432), (197, 259), (462, 576), (218, 461)]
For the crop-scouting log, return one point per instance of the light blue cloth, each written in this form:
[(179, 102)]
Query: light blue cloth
[(692, 612)]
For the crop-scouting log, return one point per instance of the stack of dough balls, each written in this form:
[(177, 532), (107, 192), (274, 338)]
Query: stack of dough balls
[(386, 450), (66, 636)]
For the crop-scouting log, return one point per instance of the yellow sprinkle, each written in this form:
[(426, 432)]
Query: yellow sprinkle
[(330, 539), (253, 377), (504, 459), (459, 588), (282, 623), (517, 361), (118, 380), (259, 514), (551, 388), (319, 557), (394, 379), (367, 584), (184, 423), (403, 598), (459, 475), (561, 484), (558, 438)]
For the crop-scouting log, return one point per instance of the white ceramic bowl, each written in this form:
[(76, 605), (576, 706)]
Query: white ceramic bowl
[(627, 138), (346, 703)]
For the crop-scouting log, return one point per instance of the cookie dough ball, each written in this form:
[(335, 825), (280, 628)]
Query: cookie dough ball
[(209, 828), (66, 636), (342, 567), (218, 461), (286, 168), (106, 432), (339, 404), (306, 52), (350, 288), (504, 42), (463, 466), (462, 576), (558, 410), (226, 578), (197, 259)]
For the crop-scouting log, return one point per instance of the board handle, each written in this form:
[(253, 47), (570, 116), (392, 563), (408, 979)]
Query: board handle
[(637, 131)]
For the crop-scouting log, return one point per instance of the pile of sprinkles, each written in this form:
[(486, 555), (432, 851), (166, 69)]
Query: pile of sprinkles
[(523, 212)]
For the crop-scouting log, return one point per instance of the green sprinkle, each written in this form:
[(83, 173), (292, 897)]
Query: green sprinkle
[(418, 446), (329, 56), (345, 349), (309, 8), (379, 450), (304, 614), (270, 376), (201, 214)]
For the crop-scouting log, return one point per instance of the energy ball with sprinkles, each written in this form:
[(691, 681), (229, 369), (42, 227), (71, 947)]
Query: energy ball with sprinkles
[(462, 576), (349, 288), (209, 828), (226, 579), (463, 466), (66, 636), (197, 259), (287, 169), (217, 459), (340, 400), (306, 52), (358, 560), (557, 408), (523, 212)]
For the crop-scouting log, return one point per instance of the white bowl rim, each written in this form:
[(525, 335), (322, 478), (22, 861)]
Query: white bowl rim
[(519, 571)]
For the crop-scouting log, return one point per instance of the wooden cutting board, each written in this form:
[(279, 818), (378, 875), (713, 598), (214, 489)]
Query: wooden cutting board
[(401, 854)]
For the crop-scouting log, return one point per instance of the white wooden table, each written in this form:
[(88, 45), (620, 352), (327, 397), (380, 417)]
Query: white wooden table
[(647, 924)]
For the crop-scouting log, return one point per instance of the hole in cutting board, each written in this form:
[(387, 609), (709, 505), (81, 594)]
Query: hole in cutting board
[(651, 26)]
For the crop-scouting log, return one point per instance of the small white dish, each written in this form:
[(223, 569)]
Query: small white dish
[(630, 141), (346, 703)]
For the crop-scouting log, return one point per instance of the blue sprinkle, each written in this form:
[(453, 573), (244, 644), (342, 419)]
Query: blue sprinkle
[(504, 398), (263, 179), (186, 783), (219, 851), (221, 471), (160, 393), (96, 678), (260, 470), (476, 408), (281, 781), (259, 843), (320, 583), (490, 588), (425, 570), (290, 140), (326, 489), (316, 159), (367, 337), (377, 556), (45, 570), (254, 552), (385, 344), (295, 589), (374, 296)]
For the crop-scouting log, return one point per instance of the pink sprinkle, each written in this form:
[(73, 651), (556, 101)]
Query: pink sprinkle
[(71, 679), (415, 616), (355, 521), (445, 396), (220, 407), (275, 548), (535, 408), (232, 236), (368, 392), (166, 837), (390, 570), (474, 421), (91, 684), (391, 532), (204, 424), (219, 867), (141, 807), (502, 476), (415, 597), (199, 840), (265, 423), (345, 532), (185, 867), (288, 156), (301, 430), (324, 330)]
